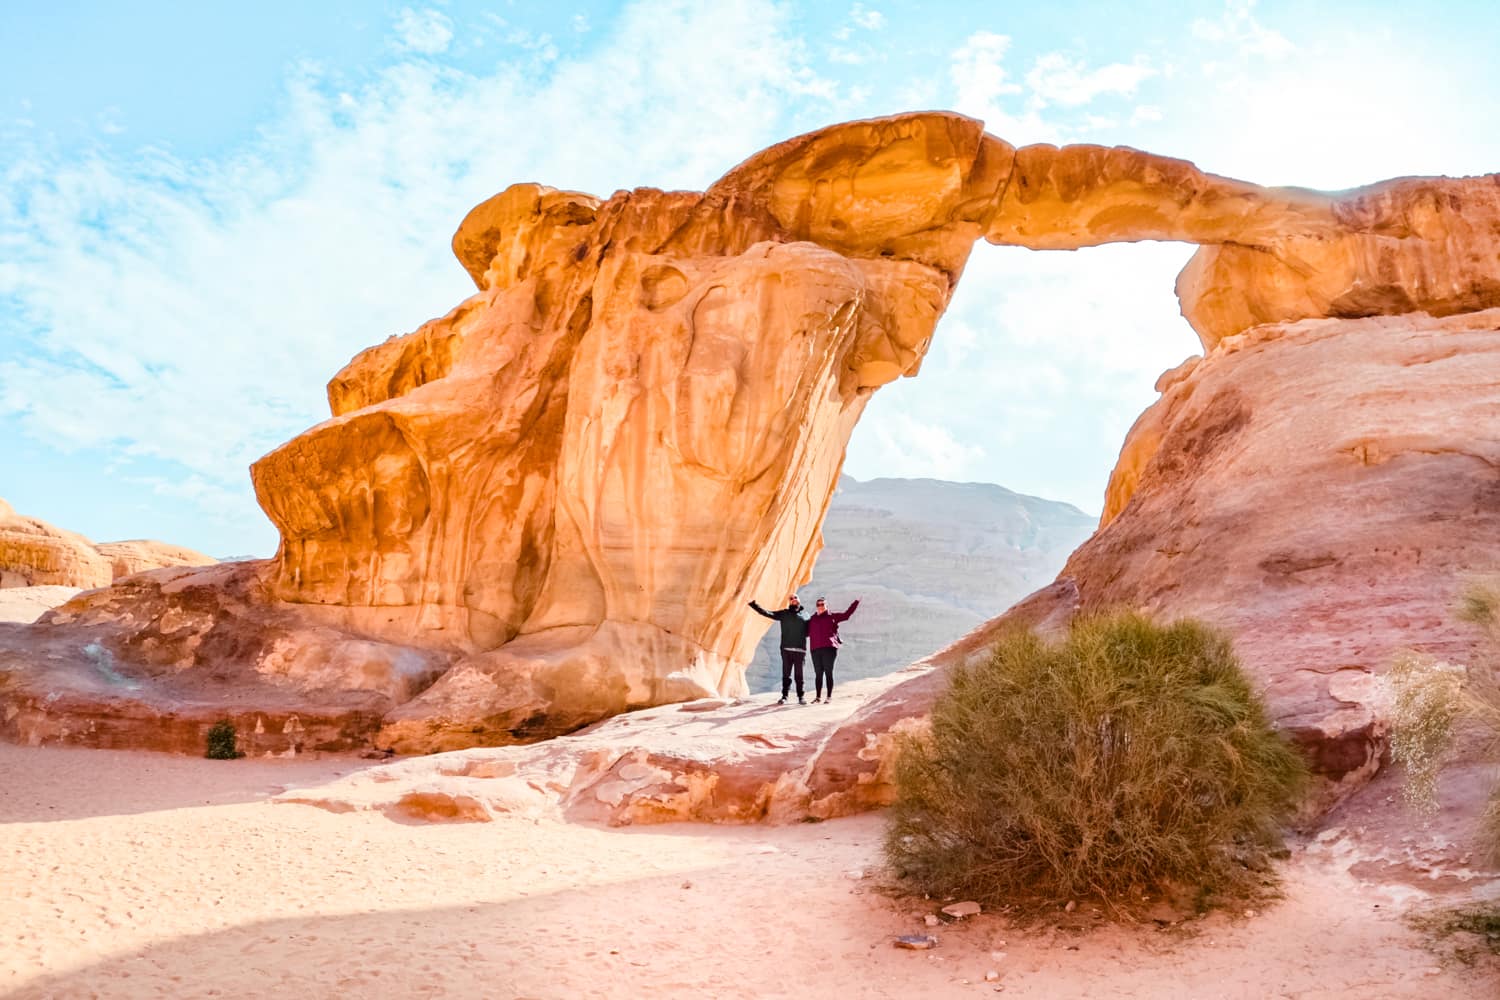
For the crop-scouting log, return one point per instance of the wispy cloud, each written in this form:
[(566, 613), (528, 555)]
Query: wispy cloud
[(870, 20), (1050, 102), (190, 312), (426, 31), (1056, 79), (1239, 27)]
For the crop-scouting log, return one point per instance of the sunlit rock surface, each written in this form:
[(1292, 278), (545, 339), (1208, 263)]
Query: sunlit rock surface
[(578, 478)]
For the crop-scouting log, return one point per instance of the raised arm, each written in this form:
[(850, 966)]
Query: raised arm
[(848, 612), (762, 611)]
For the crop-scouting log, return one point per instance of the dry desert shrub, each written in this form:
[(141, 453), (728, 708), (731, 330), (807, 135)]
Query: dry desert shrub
[(1432, 701), (1125, 759)]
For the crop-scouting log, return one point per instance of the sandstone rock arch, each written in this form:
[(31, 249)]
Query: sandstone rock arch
[(556, 499)]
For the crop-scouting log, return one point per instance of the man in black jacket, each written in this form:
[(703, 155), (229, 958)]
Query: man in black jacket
[(793, 644)]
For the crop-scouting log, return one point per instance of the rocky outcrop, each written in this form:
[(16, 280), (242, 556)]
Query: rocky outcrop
[(35, 554), (1322, 490), (1418, 244), (579, 477), (139, 555), (155, 660), (557, 499)]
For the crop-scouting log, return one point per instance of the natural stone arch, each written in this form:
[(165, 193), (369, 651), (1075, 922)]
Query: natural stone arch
[(659, 388), (557, 498)]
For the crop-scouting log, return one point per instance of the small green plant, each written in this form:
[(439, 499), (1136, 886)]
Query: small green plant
[(221, 742), (1125, 760)]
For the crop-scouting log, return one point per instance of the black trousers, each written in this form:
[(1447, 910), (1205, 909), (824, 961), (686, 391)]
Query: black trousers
[(823, 668), (791, 661)]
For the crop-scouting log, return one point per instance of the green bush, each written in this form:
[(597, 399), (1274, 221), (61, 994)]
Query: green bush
[(1126, 758), (221, 742)]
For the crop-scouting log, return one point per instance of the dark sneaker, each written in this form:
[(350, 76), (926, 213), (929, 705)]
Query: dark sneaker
[(801, 700)]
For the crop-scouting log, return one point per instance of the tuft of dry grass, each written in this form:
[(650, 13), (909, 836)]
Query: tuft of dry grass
[(1432, 699), (1124, 760), (1467, 933)]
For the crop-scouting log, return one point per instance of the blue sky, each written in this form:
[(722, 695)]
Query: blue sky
[(206, 209)]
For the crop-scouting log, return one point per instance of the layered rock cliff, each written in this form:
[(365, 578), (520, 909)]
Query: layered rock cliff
[(33, 553)]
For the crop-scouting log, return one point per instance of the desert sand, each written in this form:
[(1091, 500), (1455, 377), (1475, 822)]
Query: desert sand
[(134, 874)]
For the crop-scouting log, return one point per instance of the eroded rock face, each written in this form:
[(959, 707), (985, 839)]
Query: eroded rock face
[(1418, 244), (35, 554), (1321, 490), (141, 554), (703, 761), (579, 477)]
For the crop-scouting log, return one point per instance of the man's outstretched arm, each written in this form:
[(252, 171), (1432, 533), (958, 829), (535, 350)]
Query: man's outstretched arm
[(762, 611)]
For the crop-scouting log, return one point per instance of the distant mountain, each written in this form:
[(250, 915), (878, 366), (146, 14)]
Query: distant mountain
[(929, 560)]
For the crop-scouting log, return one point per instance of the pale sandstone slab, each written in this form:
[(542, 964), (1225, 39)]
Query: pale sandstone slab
[(740, 762)]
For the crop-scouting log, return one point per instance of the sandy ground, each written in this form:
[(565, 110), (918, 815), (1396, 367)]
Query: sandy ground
[(129, 874)]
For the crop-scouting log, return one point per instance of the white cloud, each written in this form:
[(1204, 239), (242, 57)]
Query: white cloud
[(428, 31), (982, 84), (842, 56), (907, 448), (1056, 79), (191, 313), (978, 70), (1238, 27), (870, 20), (1052, 106)]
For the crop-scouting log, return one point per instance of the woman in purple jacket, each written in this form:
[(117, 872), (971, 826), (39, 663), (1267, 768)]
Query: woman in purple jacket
[(823, 637)]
